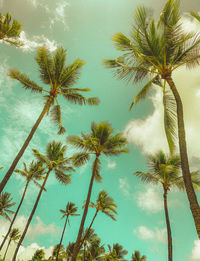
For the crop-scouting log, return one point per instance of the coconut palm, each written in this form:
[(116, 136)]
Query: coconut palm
[(97, 143), (5, 205), (136, 256), (156, 50), (60, 79), (116, 252), (10, 29), (165, 170), (13, 236), (38, 255), (70, 210), (55, 161), (106, 205), (33, 173)]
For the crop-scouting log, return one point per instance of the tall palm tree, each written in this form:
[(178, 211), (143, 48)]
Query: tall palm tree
[(156, 50), (33, 173), (60, 78), (5, 205), (97, 143), (10, 29), (70, 210), (55, 161), (13, 236), (39, 254), (136, 256), (106, 205), (165, 170)]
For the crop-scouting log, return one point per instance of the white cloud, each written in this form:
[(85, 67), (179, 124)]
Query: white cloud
[(37, 229), (36, 41), (196, 251), (124, 186), (149, 200), (111, 164), (59, 13), (157, 234)]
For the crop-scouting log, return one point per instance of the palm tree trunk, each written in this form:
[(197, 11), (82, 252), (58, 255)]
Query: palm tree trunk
[(61, 238), (23, 148), (88, 229), (76, 247), (194, 206), (169, 233), (7, 249), (13, 220), (31, 216)]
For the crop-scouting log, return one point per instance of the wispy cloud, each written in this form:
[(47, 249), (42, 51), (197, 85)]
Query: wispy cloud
[(195, 255), (145, 233), (124, 186)]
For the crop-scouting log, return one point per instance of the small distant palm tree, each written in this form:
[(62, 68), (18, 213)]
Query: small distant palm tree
[(165, 170), (70, 210), (38, 255), (54, 160), (117, 252), (34, 173), (99, 142), (10, 29), (136, 256), (13, 236), (106, 205), (60, 79), (5, 205), (154, 51)]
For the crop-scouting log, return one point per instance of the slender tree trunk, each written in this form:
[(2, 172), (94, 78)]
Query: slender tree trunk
[(31, 216), (194, 206), (169, 233), (61, 238), (23, 148), (7, 249), (78, 240), (88, 229), (13, 220)]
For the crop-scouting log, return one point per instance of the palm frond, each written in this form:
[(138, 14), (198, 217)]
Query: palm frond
[(62, 177), (79, 159), (25, 81), (56, 117), (146, 177)]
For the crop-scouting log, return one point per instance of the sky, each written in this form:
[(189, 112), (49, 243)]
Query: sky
[(84, 28)]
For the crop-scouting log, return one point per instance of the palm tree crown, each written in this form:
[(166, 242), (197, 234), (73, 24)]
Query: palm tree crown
[(5, 205), (70, 210), (136, 256), (10, 29)]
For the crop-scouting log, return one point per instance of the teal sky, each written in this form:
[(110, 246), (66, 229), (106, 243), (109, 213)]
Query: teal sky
[(84, 28)]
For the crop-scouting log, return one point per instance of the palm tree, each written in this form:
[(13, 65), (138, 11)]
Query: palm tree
[(33, 173), (5, 205), (10, 29), (13, 236), (56, 161), (136, 256), (70, 210), (39, 254), (56, 249), (165, 170), (69, 250), (116, 252), (99, 142), (156, 50), (60, 79), (106, 205)]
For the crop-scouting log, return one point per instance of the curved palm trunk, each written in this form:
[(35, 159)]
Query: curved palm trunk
[(169, 233), (88, 229), (6, 249), (194, 206), (31, 216), (23, 148), (13, 220), (61, 238), (78, 240)]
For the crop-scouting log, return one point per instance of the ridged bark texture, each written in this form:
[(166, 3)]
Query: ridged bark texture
[(13, 220), (194, 206), (31, 216), (23, 148), (169, 233), (78, 240)]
